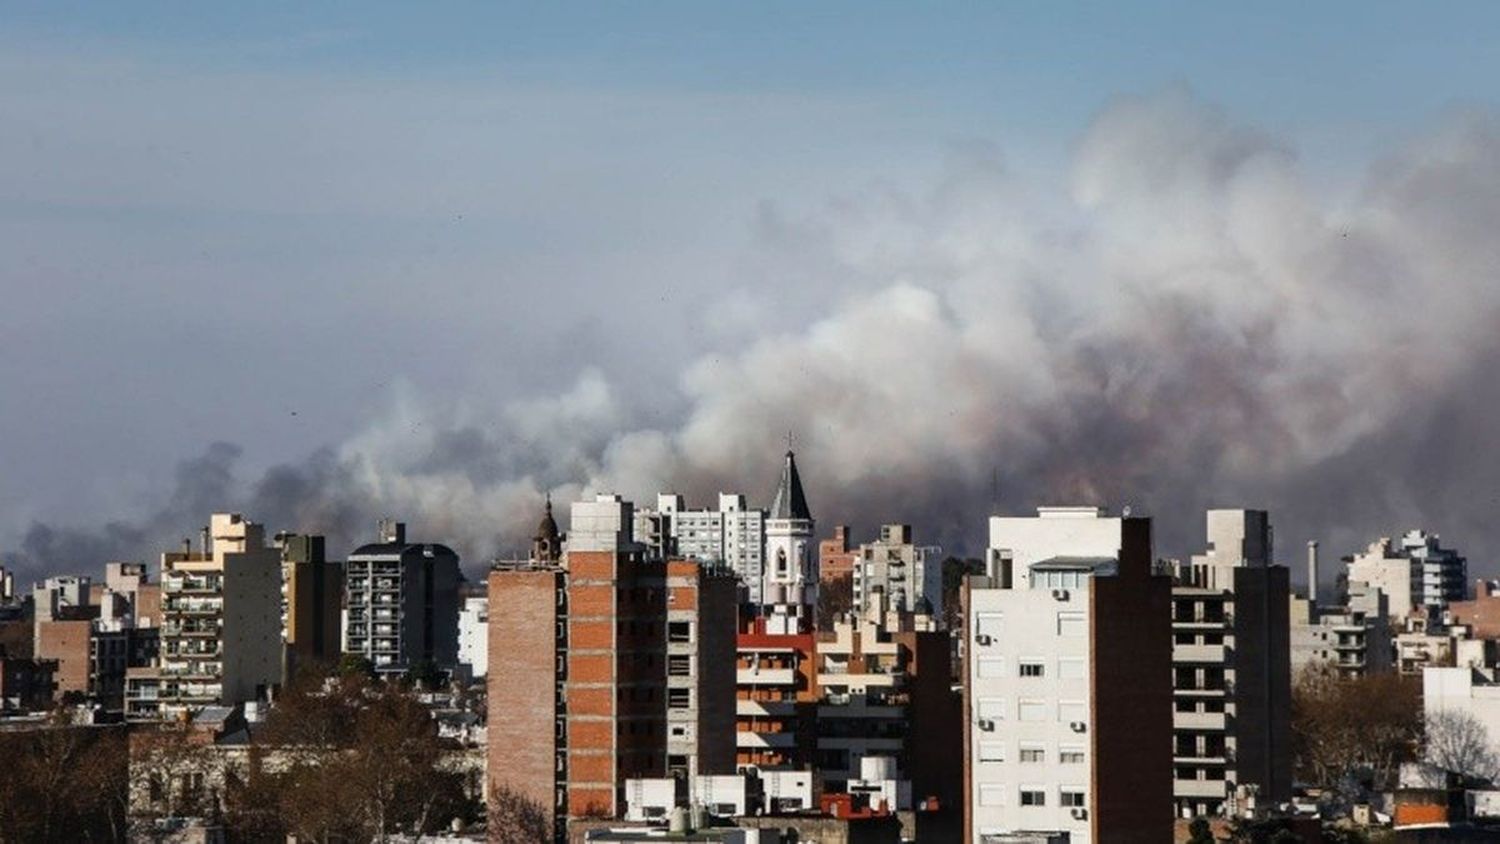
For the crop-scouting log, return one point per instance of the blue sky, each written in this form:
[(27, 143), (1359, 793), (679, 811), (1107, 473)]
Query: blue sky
[(215, 215)]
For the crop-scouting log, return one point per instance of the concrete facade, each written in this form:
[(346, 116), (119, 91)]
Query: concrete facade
[(900, 569), (312, 593), (1067, 688), (1352, 640), (1231, 669), (221, 620)]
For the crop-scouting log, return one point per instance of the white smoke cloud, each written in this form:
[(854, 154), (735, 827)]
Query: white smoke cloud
[(1189, 322)]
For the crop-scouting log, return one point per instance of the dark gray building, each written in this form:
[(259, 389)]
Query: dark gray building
[(1231, 667), (402, 599)]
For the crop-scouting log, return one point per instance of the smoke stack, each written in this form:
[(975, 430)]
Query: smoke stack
[(205, 541), (1312, 572)]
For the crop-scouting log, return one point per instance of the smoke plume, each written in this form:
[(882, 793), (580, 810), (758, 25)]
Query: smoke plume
[(1189, 322)]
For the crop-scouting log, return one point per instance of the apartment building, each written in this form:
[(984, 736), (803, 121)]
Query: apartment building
[(777, 696), (885, 692), (732, 535), (1352, 640), (1467, 690), (1067, 684), (312, 596), (402, 602), (473, 635), (630, 655), (908, 575), (1231, 669), (221, 622), (836, 557), (1413, 573)]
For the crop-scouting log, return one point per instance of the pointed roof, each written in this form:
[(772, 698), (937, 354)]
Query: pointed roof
[(789, 503)]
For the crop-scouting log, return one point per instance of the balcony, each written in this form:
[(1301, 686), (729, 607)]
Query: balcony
[(765, 677), (764, 741), (1199, 788), (1199, 721), (765, 708), (1199, 653)]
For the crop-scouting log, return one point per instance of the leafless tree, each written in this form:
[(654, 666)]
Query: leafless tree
[(517, 819), (1457, 741)]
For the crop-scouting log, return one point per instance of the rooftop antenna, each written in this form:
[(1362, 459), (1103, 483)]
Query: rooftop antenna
[(788, 439)]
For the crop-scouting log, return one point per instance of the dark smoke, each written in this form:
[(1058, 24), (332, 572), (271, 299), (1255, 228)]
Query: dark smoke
[(1192, 324)]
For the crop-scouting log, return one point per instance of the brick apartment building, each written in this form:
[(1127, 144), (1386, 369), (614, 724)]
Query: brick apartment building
[(606, 667)]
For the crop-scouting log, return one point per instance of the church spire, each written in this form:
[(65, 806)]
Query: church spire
[(790, 502)]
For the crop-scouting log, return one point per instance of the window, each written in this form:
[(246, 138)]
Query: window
[(1032, 710), (991, 795), (1031, 668), (1033, 754), (992, 709), (1070, 625), (678, 698), (1070, 756), (992, 751), (1071, 668), (988, 624), (991, 667), (1069, 711), (1070, 796), (679, 631), (1033, 796), (679, 665)]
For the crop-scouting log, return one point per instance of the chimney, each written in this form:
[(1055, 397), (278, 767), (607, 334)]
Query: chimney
[(1312, 572), (206, 551)]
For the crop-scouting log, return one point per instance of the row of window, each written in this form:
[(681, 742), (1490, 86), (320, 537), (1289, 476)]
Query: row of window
[(1029, 753), (995, 794), (990, 625), (989, 667), (1031, 709)]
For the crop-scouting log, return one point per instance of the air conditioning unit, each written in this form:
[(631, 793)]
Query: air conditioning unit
[(986, 724), (1078, 726), (982, 639), (1079, 813), (1060, 594)]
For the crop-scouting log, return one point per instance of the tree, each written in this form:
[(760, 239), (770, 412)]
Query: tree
[(516, 819), (835, 597), (1457, 741), (1199, 832), (62, 782), (1352, 733)]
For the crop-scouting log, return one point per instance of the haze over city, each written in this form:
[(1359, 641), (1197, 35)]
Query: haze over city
[(324, 267)]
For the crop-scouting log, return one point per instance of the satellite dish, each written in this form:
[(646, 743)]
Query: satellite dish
[(1125, 511)]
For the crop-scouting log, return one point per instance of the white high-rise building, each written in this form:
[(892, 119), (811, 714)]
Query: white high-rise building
[(474, 635), (1067, 688), (734, 535)]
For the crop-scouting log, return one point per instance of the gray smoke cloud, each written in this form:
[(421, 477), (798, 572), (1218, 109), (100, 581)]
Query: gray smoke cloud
[(1192, 322)]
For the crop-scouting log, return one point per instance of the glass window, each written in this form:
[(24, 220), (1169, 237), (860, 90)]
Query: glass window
[(1070, 756), (1070, 796), (1031, 668), (1033, 753), (1033, 796)]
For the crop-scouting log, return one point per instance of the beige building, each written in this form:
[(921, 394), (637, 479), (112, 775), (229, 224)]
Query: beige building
[(221, 628)]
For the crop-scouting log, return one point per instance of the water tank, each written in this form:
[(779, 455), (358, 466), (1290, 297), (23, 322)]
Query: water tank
[(679, 822), (877, 768), (699, 816)]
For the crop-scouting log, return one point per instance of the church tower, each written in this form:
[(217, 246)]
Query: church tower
[(790, 575), (546, 545)]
